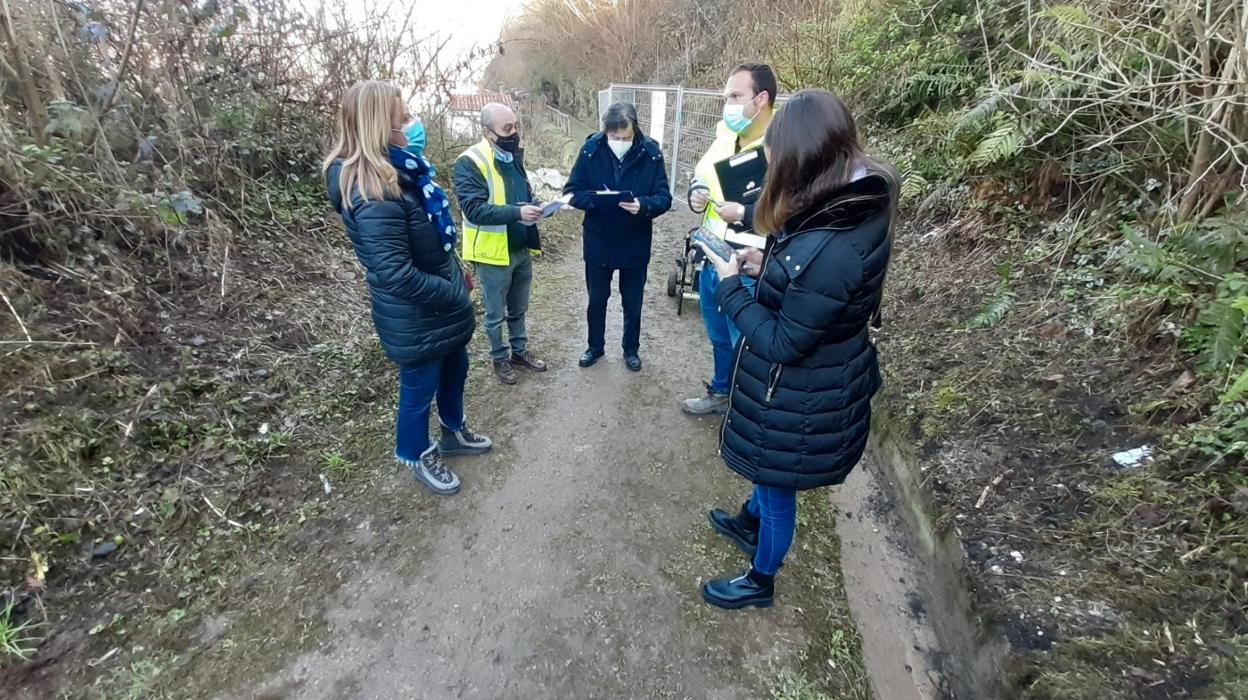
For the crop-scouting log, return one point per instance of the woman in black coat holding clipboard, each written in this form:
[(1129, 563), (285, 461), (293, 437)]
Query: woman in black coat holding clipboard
[(618, 228)]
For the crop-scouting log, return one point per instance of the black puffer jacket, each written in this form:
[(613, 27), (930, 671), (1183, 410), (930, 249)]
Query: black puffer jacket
[(420, 302), (806, 370)]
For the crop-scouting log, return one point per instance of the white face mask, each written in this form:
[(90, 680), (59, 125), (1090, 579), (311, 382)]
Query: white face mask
[(619, 148)]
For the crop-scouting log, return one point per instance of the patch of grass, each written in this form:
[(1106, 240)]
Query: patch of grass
[(16, 640), (336, 466), (141, 679), (832, 664), (948, 399), (791, 685)]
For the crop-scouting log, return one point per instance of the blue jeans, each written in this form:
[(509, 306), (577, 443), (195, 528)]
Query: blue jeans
[(776, 510), (720, 329), (418, 385)]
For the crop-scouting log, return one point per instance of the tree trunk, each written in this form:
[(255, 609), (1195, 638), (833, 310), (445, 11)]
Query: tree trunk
[(36, 112)]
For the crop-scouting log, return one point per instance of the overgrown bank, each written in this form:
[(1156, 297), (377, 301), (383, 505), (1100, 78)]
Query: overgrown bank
[(186, 373), (1069, 285)]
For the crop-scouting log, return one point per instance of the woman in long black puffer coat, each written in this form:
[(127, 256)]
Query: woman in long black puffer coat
[(800, 405)]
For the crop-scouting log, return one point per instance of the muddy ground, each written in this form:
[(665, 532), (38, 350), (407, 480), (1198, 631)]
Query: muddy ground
[(568, 566)]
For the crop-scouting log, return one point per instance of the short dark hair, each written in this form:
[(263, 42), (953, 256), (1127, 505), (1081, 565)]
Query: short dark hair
[(763, 77), (620, 115)]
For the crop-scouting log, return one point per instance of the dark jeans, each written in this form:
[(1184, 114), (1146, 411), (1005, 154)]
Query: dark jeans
[(632, 287), (776, 510), (418, 385), (720, 329), (505, 289)]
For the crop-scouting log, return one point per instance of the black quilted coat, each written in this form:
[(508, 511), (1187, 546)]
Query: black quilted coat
[(800, 406), (420, 302)]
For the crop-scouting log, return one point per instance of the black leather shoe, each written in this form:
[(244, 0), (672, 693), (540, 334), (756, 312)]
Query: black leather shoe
[(736, 592), (632, 361), (590, 357), (741, 529)]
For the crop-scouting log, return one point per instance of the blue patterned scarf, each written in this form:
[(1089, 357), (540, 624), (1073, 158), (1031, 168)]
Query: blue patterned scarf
[(420, 175)]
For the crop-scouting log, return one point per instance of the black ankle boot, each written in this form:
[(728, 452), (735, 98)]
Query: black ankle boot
[(741, 528), (735, 592)]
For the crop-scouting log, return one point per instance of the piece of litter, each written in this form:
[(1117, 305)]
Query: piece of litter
[(325, 483), (1018, 556), (996, 569), (1057, 599), (104, 658), (1130, 459)]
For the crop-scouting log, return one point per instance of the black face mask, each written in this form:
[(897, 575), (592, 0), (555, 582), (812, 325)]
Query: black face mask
[(511, 144)]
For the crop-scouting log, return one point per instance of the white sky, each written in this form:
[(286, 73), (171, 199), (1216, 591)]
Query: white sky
[(467, 22)]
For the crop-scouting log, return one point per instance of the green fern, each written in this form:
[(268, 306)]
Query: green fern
[(1066, 57), (997, 147), (933, 198), (979, 114), (1219, 335), (913, 185), (1228, 340), (986, 108), (1237, 389), (1147, 259), (1067, 14), (1002, 300), (1218, 244)]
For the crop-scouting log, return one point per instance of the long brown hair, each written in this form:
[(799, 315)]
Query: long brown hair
[(813, 152), (363, 137)]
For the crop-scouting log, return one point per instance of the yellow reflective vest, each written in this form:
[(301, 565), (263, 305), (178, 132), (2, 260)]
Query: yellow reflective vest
[(724, 146), (481, 243)]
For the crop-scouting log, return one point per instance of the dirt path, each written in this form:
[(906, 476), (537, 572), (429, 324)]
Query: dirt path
[(568, 566)]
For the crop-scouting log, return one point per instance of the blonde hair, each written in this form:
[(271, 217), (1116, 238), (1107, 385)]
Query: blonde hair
[(364, 124)]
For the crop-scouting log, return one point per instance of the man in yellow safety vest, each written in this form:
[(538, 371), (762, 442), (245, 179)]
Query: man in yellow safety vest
[(749, 100), (500, 235)]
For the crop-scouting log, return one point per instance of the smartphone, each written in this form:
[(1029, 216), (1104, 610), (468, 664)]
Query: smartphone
[(713, 243)]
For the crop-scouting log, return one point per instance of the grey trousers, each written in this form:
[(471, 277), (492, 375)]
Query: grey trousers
[(505, 289)]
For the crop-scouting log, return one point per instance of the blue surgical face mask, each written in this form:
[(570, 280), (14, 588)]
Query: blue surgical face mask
[(735, 119), (415, 133)]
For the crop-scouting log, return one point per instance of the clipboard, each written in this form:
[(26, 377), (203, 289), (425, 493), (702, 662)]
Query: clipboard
[(741, 177), (612, 196)]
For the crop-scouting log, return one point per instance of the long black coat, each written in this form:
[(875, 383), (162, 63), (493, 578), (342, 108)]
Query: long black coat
[(800, 406), (613, 237), (420, 302)]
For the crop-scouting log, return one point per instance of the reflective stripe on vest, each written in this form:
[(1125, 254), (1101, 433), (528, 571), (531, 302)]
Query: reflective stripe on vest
[(486, 244), (724, 146)]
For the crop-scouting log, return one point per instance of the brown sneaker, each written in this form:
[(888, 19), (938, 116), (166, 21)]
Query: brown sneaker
[(525, 359), (505, 371)]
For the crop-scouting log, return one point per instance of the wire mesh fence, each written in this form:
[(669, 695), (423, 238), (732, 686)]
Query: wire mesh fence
[(682, 120)]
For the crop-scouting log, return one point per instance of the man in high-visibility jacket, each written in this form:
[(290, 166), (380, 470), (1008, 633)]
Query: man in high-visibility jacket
[(500, 235), (749, 100)]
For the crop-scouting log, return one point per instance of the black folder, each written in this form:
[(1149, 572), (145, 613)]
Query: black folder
[(741, 177)]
